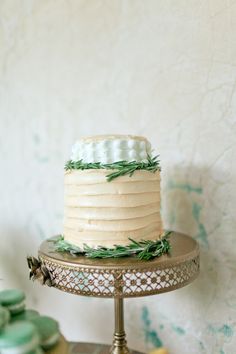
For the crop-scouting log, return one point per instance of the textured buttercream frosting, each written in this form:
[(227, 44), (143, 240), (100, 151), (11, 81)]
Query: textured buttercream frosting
[(102, 213), (111, 148)]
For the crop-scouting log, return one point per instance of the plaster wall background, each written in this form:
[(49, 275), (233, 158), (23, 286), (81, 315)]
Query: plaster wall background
[(163, 69)]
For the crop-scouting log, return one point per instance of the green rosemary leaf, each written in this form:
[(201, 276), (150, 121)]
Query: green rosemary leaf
[(134, 243), (144, 249), (121, 167)]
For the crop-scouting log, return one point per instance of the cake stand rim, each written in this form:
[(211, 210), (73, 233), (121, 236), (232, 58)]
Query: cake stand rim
[(117, 264), (123, 278)]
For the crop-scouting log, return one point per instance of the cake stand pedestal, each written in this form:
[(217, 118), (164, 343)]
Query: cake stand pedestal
[(122, 277)]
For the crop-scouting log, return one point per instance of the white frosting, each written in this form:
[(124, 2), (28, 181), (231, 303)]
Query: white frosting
[(104, 213), (111, 148)]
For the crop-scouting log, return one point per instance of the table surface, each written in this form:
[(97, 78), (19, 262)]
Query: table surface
[(122, 277), (65, 347)]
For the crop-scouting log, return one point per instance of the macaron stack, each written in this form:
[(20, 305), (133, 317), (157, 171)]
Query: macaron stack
[(13, 300), (24, 331), (48, 330), (20, 338)]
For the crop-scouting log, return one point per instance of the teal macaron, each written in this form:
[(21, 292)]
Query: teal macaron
[(4, 317), (26, 315), (20, 337), (13, 300), (48, 329)]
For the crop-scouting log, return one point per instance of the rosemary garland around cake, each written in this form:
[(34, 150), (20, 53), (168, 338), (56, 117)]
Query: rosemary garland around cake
[(144, 249), (122, 167)]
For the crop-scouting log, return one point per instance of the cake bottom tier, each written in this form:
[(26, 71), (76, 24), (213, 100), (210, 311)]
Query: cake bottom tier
[(109, 238), (102, 213)]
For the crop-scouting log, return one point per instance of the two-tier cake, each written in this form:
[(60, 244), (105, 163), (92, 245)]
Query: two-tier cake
[(112, 192)]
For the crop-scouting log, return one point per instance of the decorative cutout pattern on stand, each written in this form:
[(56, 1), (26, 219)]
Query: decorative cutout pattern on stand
[(121, 283)]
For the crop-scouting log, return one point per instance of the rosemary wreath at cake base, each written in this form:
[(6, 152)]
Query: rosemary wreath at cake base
[(144, 249)]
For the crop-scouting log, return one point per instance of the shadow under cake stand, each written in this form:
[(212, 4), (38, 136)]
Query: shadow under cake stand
[(121, 278)]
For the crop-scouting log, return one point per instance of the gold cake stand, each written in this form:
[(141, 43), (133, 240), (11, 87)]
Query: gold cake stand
[(121, 277)]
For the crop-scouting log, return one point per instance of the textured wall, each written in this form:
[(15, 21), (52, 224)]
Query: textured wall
[(163, 69)]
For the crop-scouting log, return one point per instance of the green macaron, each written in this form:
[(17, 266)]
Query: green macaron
[(13, 300), (20, 337), (48, 329), (26, 315), (4, 317)]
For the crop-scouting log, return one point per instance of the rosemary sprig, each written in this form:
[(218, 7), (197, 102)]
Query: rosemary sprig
[(144, 249), (121, 167)]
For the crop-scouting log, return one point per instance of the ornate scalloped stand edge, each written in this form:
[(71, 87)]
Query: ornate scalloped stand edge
[(118, 278)]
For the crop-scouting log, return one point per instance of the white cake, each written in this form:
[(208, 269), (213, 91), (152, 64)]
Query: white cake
[(102, 213)]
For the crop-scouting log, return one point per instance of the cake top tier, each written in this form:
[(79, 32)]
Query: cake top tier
[(111, 148)]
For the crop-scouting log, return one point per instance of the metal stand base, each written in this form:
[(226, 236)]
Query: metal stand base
[(119, 342)]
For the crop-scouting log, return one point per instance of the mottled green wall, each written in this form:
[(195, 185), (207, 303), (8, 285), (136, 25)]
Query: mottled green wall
[(161, 69)]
